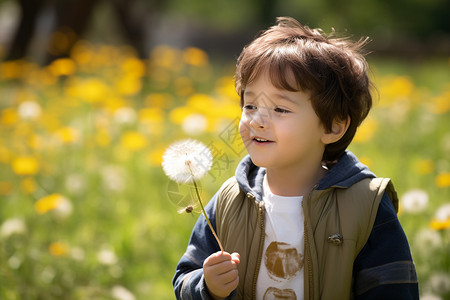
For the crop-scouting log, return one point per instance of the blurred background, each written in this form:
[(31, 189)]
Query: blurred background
[(92, 92), (44, 29)]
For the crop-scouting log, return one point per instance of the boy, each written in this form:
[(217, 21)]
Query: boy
[(303, 217)]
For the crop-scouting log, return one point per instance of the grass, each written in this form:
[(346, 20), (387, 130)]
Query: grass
[(84, 205)]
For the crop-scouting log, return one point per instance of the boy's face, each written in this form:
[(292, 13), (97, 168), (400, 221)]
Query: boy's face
[(280, 128)]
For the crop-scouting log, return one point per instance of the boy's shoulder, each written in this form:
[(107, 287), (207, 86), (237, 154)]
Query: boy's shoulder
[(371, 187), (230, 190)]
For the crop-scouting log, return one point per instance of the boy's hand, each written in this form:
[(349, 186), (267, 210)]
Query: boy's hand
[(221, 274)]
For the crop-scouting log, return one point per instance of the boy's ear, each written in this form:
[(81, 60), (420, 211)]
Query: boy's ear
[(338, 130)]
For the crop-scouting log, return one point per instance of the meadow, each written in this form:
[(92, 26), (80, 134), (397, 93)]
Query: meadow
[(86, 211)]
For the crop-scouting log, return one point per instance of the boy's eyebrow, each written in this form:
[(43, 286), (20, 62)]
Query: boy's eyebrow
[(281, 96), (248, 93), (285, 97)]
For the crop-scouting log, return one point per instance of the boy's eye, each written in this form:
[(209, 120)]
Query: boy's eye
[(249, 107), (281, 110)]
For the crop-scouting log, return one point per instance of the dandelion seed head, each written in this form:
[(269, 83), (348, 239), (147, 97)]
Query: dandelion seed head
[(76, 183), (29, 110), (414, 201), (426, 241), (107, 257), (440, 282), (113, 178), (443, 213), (186, 161), (430, 297), (15, 262), (195, 124), (121, 293), (12, 226), (125, 115), (77, 253), (48, 274), (64, 209)]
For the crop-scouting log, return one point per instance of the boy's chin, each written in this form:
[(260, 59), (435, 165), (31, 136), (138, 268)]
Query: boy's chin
[(259, 162)]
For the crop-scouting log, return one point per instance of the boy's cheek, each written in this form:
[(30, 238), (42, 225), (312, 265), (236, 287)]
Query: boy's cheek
[(244, 130), (243, 125)]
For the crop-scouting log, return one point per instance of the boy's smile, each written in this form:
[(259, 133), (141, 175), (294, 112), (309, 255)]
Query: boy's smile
[(259, 140)]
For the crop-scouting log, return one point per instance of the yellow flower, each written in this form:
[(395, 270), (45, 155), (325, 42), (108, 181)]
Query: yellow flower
[(58, 249), (114, 103), (51, 121), (104, 55), (35, 142), (395, 88), (440, 224), (91, 90), (366, 131), (49, 203), (9, 116), (229, 110), (62, 66), (159, 100), (68, 135), (178, 114), (133, 140), (441, 104), (25, 165), (82, 53), (155, 157), (103, 138), (11, 69), (424, 166), (128, 85), (28, 185), (206, 105), (443, 180), (166, 57), (225, 86), (133, 67), (5, 154), (152, 120), (151, 115), (195, 56)]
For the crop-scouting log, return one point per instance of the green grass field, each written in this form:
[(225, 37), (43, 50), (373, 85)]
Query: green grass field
[(86, 211)]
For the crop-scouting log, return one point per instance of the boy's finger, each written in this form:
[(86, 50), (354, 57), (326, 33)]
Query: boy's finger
[(218, 257), (236, 258)]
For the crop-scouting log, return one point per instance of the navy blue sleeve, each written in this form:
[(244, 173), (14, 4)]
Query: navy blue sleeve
[(188, 281), (384, 268)]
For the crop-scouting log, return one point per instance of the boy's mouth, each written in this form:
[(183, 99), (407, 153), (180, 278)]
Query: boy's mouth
[(261, 140)]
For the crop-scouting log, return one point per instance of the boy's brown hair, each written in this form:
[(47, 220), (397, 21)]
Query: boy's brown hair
[(332, 69)]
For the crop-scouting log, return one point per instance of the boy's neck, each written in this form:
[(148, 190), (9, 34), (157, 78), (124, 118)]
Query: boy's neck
[(293, 181)]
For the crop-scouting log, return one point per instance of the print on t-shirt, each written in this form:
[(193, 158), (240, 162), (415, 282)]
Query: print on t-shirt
[(282, 261)]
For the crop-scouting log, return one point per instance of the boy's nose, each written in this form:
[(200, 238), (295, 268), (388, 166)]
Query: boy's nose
[(255, 124), (260, 120)]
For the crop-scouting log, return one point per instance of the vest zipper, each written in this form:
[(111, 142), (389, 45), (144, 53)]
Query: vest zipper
[(306, 247), (308, 264), (261, 246)]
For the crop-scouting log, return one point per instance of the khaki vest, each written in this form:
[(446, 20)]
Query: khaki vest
[(338, 222)]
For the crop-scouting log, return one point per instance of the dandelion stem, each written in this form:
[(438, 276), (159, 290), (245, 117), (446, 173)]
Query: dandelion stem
[(188, 163)]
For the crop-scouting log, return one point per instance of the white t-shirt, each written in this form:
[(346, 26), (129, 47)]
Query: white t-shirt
[(281, 272)]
